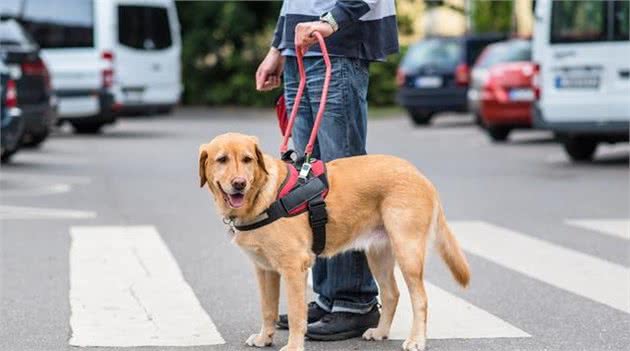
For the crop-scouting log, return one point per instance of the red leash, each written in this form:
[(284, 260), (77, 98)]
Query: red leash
[(296, 104)]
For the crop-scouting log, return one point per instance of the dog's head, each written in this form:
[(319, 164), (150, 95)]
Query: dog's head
[(234, 168)]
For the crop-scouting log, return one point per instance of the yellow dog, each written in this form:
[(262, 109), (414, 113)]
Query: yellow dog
[(380, 204)]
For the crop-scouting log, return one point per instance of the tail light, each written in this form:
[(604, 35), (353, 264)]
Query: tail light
[(462, 74), (108, 72), (11, 95), (400, 77), (536, 81), (37, 68)]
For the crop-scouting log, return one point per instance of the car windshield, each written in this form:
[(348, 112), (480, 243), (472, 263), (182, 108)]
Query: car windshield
[(11, 34), (52, 28), (512, 51), (432, 52)]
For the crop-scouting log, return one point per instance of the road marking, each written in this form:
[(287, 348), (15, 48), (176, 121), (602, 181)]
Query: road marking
[(18, 212), (38, 191), (126, 289), (449, 317), (615, 227), (573, 271), (71, 179)]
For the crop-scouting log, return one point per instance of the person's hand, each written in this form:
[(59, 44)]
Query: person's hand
[(304, 33), (269, 71)]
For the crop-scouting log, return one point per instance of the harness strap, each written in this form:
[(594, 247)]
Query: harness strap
[(317, 218)]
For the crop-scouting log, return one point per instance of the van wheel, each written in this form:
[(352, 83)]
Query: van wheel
[(498, 134), (580, 149), (420, 118), (87, 127)]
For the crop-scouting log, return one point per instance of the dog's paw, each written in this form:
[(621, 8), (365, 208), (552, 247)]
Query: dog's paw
[(257, 340), (419, 344), (287, 348), (374, 334)]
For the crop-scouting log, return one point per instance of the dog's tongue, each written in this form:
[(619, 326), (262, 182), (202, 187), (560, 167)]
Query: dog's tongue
[(236, 200)]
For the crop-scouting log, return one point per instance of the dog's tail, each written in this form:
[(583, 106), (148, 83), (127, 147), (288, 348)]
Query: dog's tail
[(449, 249)]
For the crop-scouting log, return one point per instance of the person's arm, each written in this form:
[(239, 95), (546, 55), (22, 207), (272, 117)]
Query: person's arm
[(269, 72), (347, 12)]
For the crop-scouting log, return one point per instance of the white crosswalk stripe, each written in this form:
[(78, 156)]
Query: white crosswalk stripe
[(20, 212), (616, 227), (573, 271), (126, 289), (449, 317)]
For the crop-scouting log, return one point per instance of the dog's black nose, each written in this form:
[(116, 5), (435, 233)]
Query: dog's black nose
[(239, 183)]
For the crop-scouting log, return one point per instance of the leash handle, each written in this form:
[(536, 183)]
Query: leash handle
[(299, 52)]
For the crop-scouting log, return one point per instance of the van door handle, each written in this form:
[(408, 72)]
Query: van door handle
[(624, 73), (156, 67)]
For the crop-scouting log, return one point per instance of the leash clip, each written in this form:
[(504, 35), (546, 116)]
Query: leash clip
[(305, 170)]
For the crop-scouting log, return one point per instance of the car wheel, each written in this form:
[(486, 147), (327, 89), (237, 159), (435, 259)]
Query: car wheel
[(34, 140), (87, 127), (579, 149), (498, 134), (7, 154), (420, 118)]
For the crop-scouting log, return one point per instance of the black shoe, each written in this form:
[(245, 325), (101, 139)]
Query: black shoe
[(315, 313), (342, 325)]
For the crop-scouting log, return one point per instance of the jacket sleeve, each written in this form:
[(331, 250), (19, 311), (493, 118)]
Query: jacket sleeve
[(347, 12), (278, 33)]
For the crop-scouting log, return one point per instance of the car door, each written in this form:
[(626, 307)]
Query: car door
[(147, 52)]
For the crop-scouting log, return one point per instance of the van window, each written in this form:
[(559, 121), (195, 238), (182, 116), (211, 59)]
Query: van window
[(144, 27), (578, 21), (432, 52), (50, 27), (621, 20), (12, 35)]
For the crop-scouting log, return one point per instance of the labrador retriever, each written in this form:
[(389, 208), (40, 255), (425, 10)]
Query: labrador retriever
[(380, 204)]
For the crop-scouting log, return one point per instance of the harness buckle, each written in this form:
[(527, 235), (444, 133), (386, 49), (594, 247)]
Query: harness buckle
[(305, 170)]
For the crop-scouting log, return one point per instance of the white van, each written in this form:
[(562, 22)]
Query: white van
[(107, 57), (582, 49)]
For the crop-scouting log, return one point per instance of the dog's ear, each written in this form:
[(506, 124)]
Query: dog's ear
[(203, 157), (260, 159)]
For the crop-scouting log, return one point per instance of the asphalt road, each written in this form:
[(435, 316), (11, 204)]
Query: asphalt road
[(547, 240)]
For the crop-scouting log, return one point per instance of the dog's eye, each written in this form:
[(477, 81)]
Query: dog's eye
[(222, 159), (247, 159)]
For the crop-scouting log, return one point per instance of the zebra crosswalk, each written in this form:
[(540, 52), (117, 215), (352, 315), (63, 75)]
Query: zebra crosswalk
[(126, 288)]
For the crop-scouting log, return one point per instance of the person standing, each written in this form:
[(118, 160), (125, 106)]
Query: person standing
[(356, 32)]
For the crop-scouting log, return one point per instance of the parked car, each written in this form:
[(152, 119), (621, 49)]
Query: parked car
[(107, 57), (37, 102), (11, 123), (501, 91), (581, 48), (434, 74)]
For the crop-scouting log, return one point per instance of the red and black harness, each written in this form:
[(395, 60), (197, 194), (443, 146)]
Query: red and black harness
[(306, 185)]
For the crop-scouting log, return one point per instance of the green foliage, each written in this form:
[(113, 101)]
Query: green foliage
[(382, 88), (492, 16), (222, 44), (224, 41)]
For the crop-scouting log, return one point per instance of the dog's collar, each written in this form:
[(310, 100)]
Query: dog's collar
[(295, 197)]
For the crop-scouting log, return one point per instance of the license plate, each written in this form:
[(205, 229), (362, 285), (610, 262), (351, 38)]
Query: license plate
[(578, 78), (521, 95), (429, 82)]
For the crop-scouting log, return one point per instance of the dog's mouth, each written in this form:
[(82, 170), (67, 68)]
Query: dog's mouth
[(235, 200)]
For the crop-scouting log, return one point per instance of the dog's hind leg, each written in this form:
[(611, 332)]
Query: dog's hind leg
[(269, 289), (408, 229), (381, 262)]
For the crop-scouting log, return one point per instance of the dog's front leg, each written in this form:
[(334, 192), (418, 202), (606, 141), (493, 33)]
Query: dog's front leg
[(295, 282), (269, 288)]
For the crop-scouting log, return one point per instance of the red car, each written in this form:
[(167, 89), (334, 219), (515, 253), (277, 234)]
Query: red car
[(502, 91)]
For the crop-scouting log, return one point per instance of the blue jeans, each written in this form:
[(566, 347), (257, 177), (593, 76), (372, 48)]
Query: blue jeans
[(344, 282)]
